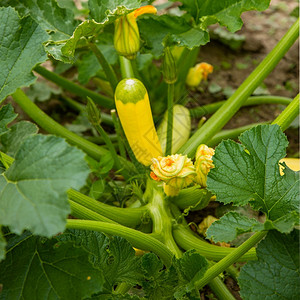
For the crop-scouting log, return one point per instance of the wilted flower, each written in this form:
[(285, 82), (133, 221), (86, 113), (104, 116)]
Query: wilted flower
[(203, 163), (203, 226), (127, 36), (197, 73), (176, 171)]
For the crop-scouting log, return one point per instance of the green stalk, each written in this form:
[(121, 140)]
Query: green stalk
[(136, 238), (126, 216), (126, 67), (99, 140), (108, 70), (6, 159), (233, 273), (208, 109), (170, 119), (288, 115), (47, 123), (232, 105), (227, 261), (230, 134), (119, 133), (105, 118), (75, 88), (161, 217), (220, 289), (82, 212), (187, 240)]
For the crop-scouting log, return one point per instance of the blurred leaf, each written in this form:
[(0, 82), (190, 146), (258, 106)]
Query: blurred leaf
[(11, 140), (7, 115), (97, 189), (40, 91), (22, 49)]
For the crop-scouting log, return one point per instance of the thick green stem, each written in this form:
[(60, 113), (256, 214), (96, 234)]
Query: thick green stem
[(220, 289), (161, 217), (47, 123), (227, 261), (136, 238), (126, 67), (75, 88), (108, 70), (288, 115), (208, 109), (126, 216), (230, 134), (170, 119), (232, 105), (187, 240), (82, 212)]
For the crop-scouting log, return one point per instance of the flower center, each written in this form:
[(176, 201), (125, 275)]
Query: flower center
[(169, 162)]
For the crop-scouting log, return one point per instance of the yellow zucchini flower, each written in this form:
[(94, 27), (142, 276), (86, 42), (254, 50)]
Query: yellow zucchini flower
[(197, 73), (176, 171), (127, 36), (203, 163)]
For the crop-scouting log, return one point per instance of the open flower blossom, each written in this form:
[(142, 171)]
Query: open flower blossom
[(127, 36), (176, 171), (197, 73), (203, 163)]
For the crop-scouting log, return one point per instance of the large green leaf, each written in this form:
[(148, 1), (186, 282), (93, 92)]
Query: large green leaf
[(115, 257), (20, 50), (7, 115), (230, 226), (250, 173), (33, 190), (102, 10), (37, 269), (227, 13), (157, 30), (275, 275), (11, 140)]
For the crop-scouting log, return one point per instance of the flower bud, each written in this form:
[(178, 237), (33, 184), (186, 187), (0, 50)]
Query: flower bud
[(127, 36), (169, 67), (197, 73), (176, 171), (203, 163)]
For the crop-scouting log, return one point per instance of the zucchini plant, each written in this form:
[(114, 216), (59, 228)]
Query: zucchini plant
[(103, 215)]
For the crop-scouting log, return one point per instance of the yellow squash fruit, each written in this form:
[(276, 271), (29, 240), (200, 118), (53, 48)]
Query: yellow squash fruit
[(292, 163), (133, 106), (181, 128)]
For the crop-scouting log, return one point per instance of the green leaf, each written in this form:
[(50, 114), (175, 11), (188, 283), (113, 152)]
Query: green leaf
[(276, 273), (33, 189), (102, 10), (250, 173), (114, 256), (158, 283), (21, 49), (190, 267), (156, 30), (40, 91), (36, 268), (11, 140), (7, 115), (226, 13), (230, 226)]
